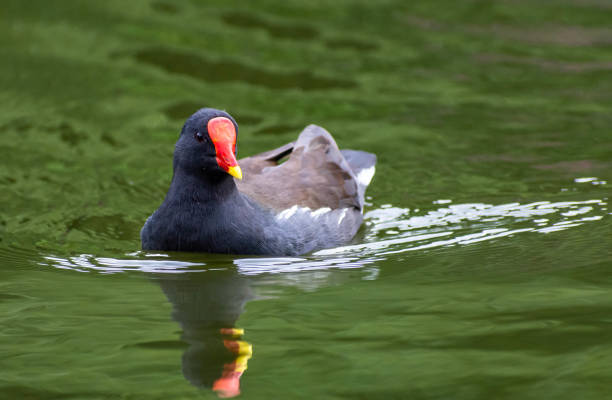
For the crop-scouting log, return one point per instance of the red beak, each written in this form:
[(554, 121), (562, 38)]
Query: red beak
[(223, 135)]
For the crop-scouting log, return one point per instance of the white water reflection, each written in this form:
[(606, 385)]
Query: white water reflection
[(592, 180), (394, 230), (88, 263), (390, 230), (255, 266)]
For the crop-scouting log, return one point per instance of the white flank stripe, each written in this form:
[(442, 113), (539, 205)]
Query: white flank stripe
[(342, 215), (291, 212), (288, 213), (320, 211), (364, 177)]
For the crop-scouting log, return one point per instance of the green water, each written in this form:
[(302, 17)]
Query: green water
[(484, 268)]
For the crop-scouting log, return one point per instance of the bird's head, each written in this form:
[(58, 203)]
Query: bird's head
[(207, 144)]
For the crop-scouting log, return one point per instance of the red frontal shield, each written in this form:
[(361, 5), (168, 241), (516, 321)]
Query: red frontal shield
[(223, 135)]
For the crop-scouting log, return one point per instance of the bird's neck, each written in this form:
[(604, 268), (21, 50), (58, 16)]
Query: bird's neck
[(200, 187)]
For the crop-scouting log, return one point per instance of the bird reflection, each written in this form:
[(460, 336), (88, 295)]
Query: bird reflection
[(207, 305)]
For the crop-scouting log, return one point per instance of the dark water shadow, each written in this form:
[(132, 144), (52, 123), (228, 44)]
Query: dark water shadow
[(278, 29), (279, 129), (350, 44), (164, 8), (224, 70), (105, 226), (182, 110), (68, 134), (18, 125), (248, 119), (109, 139)]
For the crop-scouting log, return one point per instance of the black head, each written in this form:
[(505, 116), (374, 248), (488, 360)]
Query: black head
[(207, 144)]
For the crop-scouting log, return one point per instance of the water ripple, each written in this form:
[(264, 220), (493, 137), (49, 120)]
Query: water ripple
[(88, 262), (255, 266), (390, 231), (394, 230)]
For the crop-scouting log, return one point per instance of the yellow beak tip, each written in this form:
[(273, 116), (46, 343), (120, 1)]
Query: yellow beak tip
[(235, 171)]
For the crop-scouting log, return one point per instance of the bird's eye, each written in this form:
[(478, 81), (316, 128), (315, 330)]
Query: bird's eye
[(199, 136)]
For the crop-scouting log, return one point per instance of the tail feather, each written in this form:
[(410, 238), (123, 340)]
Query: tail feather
[(363, 165)]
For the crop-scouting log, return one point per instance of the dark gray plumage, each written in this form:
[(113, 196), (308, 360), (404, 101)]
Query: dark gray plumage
[(313, 200)]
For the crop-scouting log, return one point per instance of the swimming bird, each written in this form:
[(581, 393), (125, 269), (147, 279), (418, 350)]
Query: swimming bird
[(298, 198)]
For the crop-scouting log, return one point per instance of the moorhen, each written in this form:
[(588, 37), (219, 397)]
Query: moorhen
[(313, 200)]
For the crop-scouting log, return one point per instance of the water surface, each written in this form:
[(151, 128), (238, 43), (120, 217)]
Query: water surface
[(483, 267)]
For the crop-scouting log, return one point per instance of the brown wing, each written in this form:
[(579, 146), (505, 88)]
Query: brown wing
[(315, 175)]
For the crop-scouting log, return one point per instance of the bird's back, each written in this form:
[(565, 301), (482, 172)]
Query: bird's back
[(316, 174)]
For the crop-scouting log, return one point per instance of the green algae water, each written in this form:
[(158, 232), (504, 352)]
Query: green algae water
[(484, 266)]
